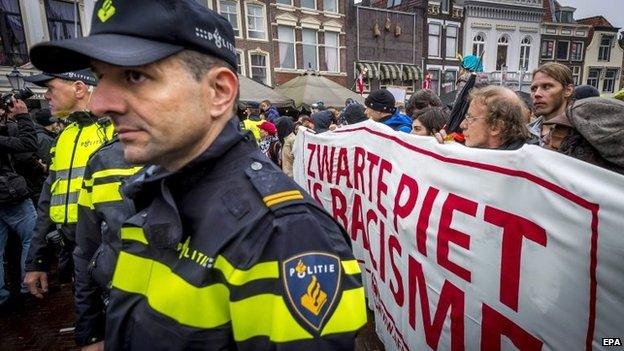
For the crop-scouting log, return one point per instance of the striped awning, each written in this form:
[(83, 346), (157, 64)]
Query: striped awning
[(371, 69), (390, 71), (412, 72)]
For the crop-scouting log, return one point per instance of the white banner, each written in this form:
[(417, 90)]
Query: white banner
[(470, 249)]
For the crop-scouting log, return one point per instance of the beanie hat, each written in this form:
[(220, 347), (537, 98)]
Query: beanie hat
[(601, 122), (380, 100), (584, 92), (268, 127), (354, 113)]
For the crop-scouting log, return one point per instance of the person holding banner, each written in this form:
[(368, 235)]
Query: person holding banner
[(380, 107)]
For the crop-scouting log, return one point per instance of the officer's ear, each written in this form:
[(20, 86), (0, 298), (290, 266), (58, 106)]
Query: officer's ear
[(221, 92), (81, 90)]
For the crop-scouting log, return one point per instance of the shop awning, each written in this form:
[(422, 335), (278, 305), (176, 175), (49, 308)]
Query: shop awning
[(412, 72), (371, 69), (390, 71)]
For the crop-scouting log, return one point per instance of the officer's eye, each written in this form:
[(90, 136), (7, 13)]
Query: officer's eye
[(135, 77)]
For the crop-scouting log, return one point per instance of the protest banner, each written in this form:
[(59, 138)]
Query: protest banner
[(472, 249)]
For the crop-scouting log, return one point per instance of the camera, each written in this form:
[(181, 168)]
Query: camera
[(6, 100)]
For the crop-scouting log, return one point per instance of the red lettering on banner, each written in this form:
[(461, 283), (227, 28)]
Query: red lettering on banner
[(357, 218), (325, 162), (515, 228), (406, 183), (358, 168), (371, 216), (494, 325), (447, 234), (312, 148), (373, 160), (339, 206), (316, 189), (343, 168), (395, 246), (451, 298), (382, 188), (423, 220), (382, 254)]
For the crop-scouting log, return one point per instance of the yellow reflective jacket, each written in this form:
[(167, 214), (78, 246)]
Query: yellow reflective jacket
[(73, 148)]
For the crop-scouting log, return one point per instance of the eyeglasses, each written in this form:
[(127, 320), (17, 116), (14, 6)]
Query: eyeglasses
[(469, 119)]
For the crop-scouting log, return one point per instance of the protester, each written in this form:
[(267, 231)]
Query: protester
[(584, 92), (317, 106), (285, 128), (47, 130), (252, 120), (269, 143), (269, 111), (68, 94), (17, 213), (430, 121), (322, 120), (354, 113), (551, 90), (420, 100), (380, 108), (207, 260)]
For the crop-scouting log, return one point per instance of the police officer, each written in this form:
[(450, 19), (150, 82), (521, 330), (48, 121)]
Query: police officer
[(225, 251), (68, 95), (101, 211)]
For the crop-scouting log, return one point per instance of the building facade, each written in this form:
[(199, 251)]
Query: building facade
[(564, 40), (444, 43), (603, 57), (507, 34), (385, 45)]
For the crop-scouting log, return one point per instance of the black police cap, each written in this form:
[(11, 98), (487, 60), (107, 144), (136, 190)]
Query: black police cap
[(85, 76), (140, 32)]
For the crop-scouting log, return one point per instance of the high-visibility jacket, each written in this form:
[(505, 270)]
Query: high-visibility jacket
[(69, 158), (252, 126), (101, 211), (229, 253)]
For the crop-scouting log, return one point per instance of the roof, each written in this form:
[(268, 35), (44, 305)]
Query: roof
[(596, 22)]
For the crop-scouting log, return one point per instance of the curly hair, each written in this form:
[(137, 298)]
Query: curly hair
[(505, 110)]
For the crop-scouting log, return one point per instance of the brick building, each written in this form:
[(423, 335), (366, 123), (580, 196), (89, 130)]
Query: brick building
[(563, 39)]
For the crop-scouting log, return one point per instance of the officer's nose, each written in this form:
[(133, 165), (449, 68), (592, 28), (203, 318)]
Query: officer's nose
[(108, 98)]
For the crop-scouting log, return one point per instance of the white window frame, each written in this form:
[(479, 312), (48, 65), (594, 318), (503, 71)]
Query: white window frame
[(439, 80), (294, 44), (242, 62), (290, 3), (337, 47), (238, 16), (503, 40), (576, 74), (525, 53), (264, 20), (582, 46), (612, 80), (448, 6), (336, 2), (479, 43), (439, 51), (567, 51), (446, 38), (316, 48), (309, 8), (268, 64), (597, 78), (544, 41), (606, 48)]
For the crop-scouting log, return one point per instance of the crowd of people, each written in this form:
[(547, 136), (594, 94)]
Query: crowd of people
[(173, 219)]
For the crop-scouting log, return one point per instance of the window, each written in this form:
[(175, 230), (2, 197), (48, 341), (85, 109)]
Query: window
[(450, 77), (525, 52), (310, 49), (63, 19), (478, 44), (604, 52), (451, 42), (608, 84), (255, 22), (393, 3), (330, 5), (576, 51), (240, 63), (286, 39), (13, 51), (592, 78), (332, 51), (548, 49), (435, 81), (207, 3), (229, 10), (562, 50), (576, 75), (501, 52), (434, 39), (564, 16), (259, 67), (444, 6), (308, 4), (285, 2)]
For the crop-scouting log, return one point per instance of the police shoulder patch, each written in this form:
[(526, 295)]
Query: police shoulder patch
[(311, 283)]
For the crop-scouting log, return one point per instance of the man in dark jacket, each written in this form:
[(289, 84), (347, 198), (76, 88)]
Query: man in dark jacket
[(17, 212), (269, 111), (380, 107), (47, 130), (225, 251)]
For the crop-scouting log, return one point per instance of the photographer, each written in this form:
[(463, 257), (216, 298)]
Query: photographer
[(17, 213)]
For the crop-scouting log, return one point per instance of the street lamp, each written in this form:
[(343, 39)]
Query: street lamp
[(16, 80)]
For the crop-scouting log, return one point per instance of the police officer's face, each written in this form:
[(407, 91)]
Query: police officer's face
[(61, 96), (162, 114)]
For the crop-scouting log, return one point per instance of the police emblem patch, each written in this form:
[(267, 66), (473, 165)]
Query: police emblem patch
[(312, 281)]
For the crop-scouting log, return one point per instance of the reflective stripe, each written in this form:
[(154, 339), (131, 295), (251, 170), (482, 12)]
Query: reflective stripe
[(169, 294), (64, 173), (265, 315), (84, 199), (284, 196), (265, 270), (87, 182), (107, 192), (116, 172), (61, 186), (350, 315), (351, 267), (57, 213), (133, 233), (58, 200)]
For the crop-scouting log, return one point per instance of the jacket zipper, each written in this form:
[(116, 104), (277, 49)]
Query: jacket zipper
[(71, 166)]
